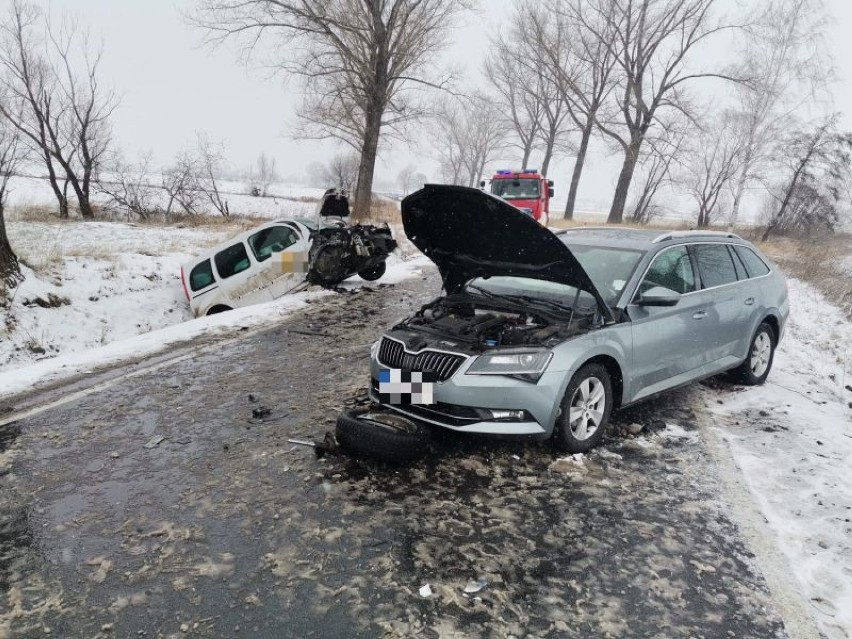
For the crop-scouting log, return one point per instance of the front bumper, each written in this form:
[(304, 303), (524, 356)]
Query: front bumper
[(459, 399)]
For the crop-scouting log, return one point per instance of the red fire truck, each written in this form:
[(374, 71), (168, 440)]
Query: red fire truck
[(526, 189)]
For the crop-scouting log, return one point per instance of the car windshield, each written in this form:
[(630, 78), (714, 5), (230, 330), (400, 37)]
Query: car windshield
[(550, 295), (609, 268), (508, 189)]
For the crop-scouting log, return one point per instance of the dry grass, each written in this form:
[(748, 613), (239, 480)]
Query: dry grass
[(384, 210), (818, 262)]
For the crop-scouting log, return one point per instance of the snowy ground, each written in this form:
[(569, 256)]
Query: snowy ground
[(792, 441)]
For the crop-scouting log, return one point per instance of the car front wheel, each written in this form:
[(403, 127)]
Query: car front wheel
[(586, 408), (754, 370)]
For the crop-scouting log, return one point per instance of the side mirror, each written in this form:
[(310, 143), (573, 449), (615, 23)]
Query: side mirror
[(482, 184), (550, 192), (658, 296), (550, 183)]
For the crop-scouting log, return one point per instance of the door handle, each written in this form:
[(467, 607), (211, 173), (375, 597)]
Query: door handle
[(749, 301), (699, 315)]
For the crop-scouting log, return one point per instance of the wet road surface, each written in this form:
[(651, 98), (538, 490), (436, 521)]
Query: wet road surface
[(161, 507)]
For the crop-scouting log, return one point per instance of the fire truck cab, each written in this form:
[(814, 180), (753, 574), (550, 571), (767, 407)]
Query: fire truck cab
[(525, 189)]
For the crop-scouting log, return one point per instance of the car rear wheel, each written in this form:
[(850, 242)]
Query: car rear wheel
[(378, 433), (374, 272), (754, 370), (586, 408)]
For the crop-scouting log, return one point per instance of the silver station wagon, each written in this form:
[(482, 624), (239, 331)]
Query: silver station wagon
[(543, 333)]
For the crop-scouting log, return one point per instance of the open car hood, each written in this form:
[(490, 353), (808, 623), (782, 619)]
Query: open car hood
[(468, 233)]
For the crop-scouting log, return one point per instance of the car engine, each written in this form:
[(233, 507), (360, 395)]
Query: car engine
[(458, 318)]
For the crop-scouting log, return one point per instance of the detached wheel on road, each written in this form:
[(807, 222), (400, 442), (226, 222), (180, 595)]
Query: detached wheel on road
[(754, 370), (377, 433), (585, 410), (373, 273)]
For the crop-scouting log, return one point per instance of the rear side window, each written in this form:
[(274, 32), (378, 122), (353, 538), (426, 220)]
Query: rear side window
[(272, 240), (201, 276), (715, 264), (756, 266), (671, 269), (232, 260)]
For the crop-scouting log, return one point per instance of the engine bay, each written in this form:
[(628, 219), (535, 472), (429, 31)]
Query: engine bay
[(481, 327)]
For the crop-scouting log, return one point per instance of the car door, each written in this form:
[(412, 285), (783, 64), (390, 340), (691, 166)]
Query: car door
[(239, 276), (669, 342), (731, 302), (281, 250)]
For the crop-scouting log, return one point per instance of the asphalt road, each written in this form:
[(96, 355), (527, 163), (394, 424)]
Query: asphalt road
[(159, 506)]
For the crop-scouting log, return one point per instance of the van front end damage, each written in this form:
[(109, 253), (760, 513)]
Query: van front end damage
[(339, 252)]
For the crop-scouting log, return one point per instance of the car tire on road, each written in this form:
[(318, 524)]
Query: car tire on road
[(380, 434), (757, 364), (588, 400), (374, 272)]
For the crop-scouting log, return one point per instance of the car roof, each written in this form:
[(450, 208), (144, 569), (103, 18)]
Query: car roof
[(637, 239)]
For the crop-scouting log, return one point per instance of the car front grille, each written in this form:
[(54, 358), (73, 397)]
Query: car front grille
[(394, 355)]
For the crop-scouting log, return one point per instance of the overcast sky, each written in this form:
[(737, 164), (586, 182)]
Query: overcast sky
[(171, 86)]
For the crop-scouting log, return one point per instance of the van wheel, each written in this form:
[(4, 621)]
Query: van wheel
[(374, 272), (219, 308), (585, 412), (755, 368)]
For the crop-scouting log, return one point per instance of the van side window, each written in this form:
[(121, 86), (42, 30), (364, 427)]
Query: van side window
[(670, 269), (756, 266), (232, 260), (272, 240), (201, 276), (714, 264)]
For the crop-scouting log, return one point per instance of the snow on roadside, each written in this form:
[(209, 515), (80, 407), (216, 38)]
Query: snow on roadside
[(792, 440), (106, 292)]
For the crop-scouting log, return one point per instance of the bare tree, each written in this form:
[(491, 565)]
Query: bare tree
[(180, 182), (11, 153), (210, 158), (784, 57), (519, 95), (405, 178), (363, 61), (64, 115), (28, 84), (129, 188), (818, 176), (713, 163), (651, 41), (261, 175), (341, 172), (473, 135), (655, 170)]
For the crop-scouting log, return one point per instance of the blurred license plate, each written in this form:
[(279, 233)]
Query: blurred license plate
[(397, 386)]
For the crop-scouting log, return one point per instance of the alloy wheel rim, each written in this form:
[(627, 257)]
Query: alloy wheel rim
[(586, 411), (760, 353)]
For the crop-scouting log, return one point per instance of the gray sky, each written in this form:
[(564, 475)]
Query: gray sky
[(171, 87)]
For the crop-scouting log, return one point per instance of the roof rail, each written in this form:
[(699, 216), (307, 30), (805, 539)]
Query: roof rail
[(673, 234)]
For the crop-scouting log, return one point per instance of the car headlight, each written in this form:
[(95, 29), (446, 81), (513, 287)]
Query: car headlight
[(528, 365), (374, 349)]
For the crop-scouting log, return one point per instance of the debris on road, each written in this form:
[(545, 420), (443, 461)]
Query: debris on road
[(302, 442), (426, 591), (474, 586), (260, 412), (154, 442)]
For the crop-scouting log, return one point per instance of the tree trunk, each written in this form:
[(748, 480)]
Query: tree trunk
[(10, 271), (738, 196), (548, 154), (527, 152), (61, 198), (364, 187), (578, 169), (616, 212)]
